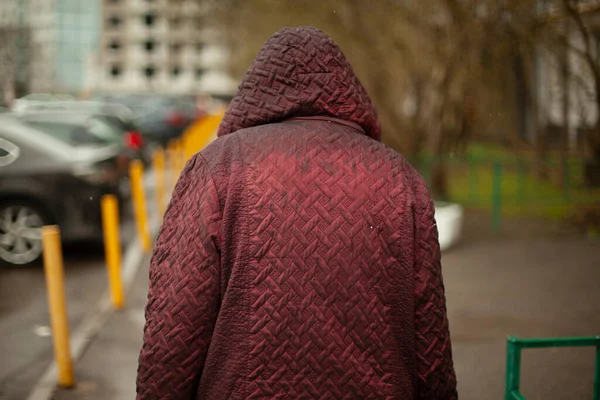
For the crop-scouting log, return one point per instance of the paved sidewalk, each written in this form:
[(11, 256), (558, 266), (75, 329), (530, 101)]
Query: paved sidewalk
[(546, 287), (108, 367)]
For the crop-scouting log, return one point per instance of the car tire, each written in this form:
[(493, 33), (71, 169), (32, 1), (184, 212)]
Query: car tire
[(21, 225)]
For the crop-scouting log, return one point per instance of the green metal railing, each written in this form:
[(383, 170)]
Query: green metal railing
[(511, 186), (513, 360)]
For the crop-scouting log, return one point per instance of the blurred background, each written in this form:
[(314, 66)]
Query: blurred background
[(494, 101)]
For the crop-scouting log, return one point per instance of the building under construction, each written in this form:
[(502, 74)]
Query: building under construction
[(75, 46)]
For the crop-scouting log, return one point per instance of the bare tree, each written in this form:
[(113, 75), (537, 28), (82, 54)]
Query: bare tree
[(426, 55), (575, 11)]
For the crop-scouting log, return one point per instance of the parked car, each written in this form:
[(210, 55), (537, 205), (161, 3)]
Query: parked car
[(44, 180), (160, 118), (79, 129), (40, 99)]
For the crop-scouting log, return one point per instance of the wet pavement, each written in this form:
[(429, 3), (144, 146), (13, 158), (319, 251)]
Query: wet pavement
[(539, 288), (25, 341), (543, 287)]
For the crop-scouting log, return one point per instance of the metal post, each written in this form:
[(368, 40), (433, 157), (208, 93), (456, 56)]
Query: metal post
[(55, 280), (158, 160), (181, 153), (567, 181), (188, 145), (136, 172), (597, 374), (473, 180), (521, 182), (173, 163), (513, 367), (497, 197), (112, 248)]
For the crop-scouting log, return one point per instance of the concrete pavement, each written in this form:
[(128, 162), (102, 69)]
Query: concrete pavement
[(108, 367), (25, 341), (544, 287)]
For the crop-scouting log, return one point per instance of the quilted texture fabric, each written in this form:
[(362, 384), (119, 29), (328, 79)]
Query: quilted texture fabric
[(300, 72), (298, 259)]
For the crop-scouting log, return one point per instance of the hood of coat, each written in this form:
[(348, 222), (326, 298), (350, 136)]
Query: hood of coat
[(300, 72)]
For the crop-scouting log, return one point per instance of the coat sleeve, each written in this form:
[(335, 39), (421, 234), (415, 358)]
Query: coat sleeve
[(183, 297), (436, 376)]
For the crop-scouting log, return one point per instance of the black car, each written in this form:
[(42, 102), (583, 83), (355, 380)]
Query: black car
[(44, 181), (159, 117)]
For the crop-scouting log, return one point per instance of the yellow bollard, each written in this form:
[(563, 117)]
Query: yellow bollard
[(112, 248), (136, 172), (189, 146), (172, 155), (158, 160), (55, 280), (181, 153)]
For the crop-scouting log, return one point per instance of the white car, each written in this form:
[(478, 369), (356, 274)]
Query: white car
[(449, 218)]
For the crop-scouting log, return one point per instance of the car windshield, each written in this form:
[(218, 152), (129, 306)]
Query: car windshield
[(70, 133), (141, 105), (105, 130), (11, 130)]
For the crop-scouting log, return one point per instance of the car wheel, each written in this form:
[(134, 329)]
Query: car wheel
[(21, 233)]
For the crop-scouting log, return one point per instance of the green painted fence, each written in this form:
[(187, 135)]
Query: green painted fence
[(506, 186), (513, 360)]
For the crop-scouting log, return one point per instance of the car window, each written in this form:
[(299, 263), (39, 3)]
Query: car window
[(72, 134), (104, 130), (32, 142)]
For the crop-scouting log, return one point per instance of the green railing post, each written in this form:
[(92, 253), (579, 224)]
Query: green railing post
[(521, 182), (473, 180), (497, 197), (567, 181), (513, 368), (597, 374), (513, 359)]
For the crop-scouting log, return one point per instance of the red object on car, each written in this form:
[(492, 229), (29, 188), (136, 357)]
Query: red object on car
[(133, 140), (176, 119)]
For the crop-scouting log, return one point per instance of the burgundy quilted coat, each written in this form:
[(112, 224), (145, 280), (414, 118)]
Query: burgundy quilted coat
[(298, 258)]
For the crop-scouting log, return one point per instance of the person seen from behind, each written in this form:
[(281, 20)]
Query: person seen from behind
[(298, 258)]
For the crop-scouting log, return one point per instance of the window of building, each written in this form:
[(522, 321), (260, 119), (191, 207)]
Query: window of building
[(199, 72), (150, 19), (150, 45), (176, 48), (114, 21), (175, 22), (150, 71), (116, 71), (176, 71), (199, 47), (114, 46)]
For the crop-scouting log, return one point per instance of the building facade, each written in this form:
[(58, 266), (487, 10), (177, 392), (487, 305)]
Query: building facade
[(82, 46), (52, 43), (159, 45)]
